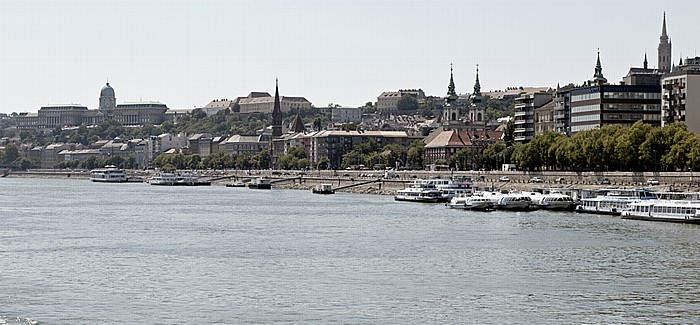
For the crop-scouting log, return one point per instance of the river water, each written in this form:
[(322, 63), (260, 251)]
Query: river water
[(76, 252)]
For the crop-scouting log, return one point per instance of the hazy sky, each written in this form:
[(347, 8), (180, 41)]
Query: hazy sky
[(186, 53)]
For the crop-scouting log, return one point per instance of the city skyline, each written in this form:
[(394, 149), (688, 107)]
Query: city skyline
[(186, 53)]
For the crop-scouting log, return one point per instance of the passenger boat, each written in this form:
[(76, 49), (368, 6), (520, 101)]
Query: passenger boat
[(189, 179), (260, 184), (323, 189), (236, 184), (474, 202), (554, 200), (162, 178), (510, 200), (613, 201), (451, 187), (515, 202), (419, 191), (684, 211), (109, 174)]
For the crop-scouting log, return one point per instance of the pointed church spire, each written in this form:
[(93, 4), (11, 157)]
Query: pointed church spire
[(451, 93), (646, 63), (277, 113), (665, 55), (477, 85), (598, 77), (663, 29)]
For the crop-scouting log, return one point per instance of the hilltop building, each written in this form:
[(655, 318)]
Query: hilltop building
[(388, 101), (262, 102)]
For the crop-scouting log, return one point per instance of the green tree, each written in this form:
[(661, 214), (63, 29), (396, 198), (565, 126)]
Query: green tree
[(323, 163), (11, 154), (508, 133)]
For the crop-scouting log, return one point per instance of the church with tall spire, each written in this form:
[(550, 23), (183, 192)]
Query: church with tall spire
[(451, 115), (477, 110), (598, 78), (664, 50), (277, 113)]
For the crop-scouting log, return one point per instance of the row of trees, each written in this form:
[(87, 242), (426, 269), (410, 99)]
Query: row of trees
[(640, 147), (370, 154), (217, 160)]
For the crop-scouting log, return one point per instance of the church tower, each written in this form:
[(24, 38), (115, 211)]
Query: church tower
[(664, 50), (477, 113), (277, 114), (451, 116), (598, 78), (107, 100)]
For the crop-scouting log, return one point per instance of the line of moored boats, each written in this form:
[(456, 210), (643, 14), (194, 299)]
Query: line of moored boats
[(642, 204)]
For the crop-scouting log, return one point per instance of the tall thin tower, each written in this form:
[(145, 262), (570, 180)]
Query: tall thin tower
[(277, 114), (664, 50)]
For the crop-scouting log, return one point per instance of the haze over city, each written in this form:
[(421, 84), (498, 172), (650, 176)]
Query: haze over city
[(186, 53)]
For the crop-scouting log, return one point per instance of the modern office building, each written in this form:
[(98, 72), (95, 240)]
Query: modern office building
[(595, 106)]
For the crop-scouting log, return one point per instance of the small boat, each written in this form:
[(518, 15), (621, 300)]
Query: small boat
[(682, 211), (323, 189), (419, 191), (474, 202), (162, 178), (260, 184), (236, 184), (109, 174), (189, 179)]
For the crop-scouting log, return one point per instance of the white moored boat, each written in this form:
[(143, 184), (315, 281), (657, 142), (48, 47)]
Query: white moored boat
[(613, 201), (514, 200), (554, 200), (474, 202), (323, 189), (451, 187), (664, 210), (419, 191), (162, 179), (109, 174)]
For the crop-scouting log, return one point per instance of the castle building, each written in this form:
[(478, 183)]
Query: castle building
[(388, 101)]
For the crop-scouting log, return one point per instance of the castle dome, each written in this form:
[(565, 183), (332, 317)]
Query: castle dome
[(107, 91)]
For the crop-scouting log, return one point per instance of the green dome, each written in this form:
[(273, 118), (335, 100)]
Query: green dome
[(107, 91)]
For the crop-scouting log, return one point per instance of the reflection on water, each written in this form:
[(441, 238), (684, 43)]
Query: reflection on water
[(76, 252)]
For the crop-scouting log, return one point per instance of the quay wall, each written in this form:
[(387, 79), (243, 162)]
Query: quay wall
[(482, 179)]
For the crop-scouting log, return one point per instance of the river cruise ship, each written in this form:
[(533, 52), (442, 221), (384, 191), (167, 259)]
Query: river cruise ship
[(109, 174), (451, 187), (664, 210), (162, 178), (419, 191), (614, 201)]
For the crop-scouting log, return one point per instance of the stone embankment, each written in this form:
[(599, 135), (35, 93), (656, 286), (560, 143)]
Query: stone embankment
[(681, 181)]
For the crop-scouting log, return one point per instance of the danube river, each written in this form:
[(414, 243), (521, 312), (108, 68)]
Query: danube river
[(76, 252)]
